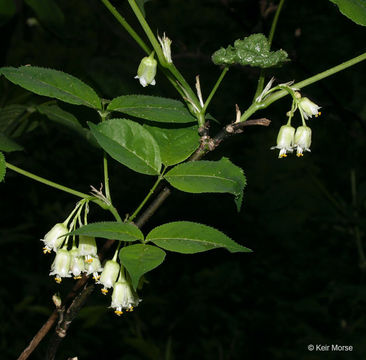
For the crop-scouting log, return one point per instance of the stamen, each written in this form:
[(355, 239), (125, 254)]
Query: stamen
[(299, 154), (96, 277), (58, 279), (118, 312), (77, 277), (104, 291), (46, 250), (283, 155)]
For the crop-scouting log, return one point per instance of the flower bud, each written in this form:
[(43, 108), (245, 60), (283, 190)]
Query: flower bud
[(87, 247), (109, 275), (61, 265), (123, 297), (54, 238), (165, 43), (308, 108), (285, 140), (302, 140), (147, 70)]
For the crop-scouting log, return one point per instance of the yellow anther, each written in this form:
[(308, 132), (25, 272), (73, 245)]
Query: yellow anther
[(118, 312), (283, 155), (46, 250), (104, 291), (77, 277), (58, 279), (299, 154), (96, 278), (89, 261)]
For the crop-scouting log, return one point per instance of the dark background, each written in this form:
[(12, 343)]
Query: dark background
[(303, 284)]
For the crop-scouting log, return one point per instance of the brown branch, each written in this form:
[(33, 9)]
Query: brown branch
[(207, 145)]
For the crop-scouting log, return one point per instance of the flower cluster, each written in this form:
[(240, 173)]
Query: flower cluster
[(77, 256), (288, 138)]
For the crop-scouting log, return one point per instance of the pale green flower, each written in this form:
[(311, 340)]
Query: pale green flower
[(54, 238), (308, 108), (87, 247), (302, 140), (77, 265), (285, 140), (109, 275), (61, 265), (147, 70), (94, 267), (123, 297)]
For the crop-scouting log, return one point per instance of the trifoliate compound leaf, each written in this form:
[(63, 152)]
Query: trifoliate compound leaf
[(2, 167), (253, 50)]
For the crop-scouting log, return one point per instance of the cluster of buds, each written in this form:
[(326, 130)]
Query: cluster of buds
[(288, 138)]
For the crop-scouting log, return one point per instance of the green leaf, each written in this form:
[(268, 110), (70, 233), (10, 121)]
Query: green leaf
[(209, 176), (54, 84), (130, 144), (64, 118), (176, 144), (353, 9), (111, 230), (2, 167), (253, 50), (8, 145), (139, 259), (188, 238), (152, 108), (48, 12)]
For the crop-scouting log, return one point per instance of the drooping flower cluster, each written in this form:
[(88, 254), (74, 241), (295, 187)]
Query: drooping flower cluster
[(75, 256), (72, 257), (288, 138)]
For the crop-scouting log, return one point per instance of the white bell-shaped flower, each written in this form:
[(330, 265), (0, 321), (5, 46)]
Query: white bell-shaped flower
[(302, 140), (87, 247), (54, 238), (109, 275), (123, 297), (147, 70), (285, 140), (77, 264), (94, 267), (308, 108), (61, 265)]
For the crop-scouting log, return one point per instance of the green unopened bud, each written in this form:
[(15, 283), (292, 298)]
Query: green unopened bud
[(302, 140), (308, 108), (61, 265), (109, 275), (123, 297), (54, 239), (87, 247), (285, 140), (147, 70)]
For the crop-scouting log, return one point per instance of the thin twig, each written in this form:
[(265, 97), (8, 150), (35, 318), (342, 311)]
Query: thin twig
[(71, 312)]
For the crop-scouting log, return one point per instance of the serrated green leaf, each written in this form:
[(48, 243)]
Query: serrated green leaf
[(189, 237), (111, 230), (9, 116), (60, 116), (139, 259), (2, 167), (208, 176), (353, 9), (130, 144), (152, 108), (253, 50), (54, 84), (8, 145), (176, 144)]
